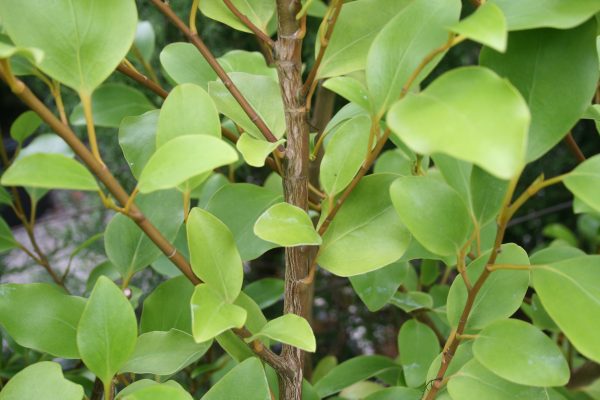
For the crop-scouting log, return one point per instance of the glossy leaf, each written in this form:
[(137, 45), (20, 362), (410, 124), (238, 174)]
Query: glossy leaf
[(214, 256), (167, 307), (350, 88), (366, 234), (159, 392), (49, 171), (377, 287), (519, 352), (584, 182), (433, 212), (255, 151), (26, 310), (289, 329), (257, 11), (144, 383), (47, 143), (78, 49), (144, 40), (487, 25), (287, 226), (265, 292), (183, 63), (484, 122), (418, 346), (182, 154), (411, 301), (28, 54), (107, 330), (43, 380), (245, 381), (137, 138), (252, 62), (570, 285), (24, 126), (487, 194), (538, 63)]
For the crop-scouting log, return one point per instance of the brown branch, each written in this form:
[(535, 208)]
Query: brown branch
[(249, 24), (142, 79), (212, 61), (574, 148)]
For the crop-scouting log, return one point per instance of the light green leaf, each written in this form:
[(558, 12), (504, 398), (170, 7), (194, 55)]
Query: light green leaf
[(245, 381), (265, 292), (344, 154), (256, 320), (167, 307), (7, 240), (351, 89), (159, 392), (5, 197), (183, 63), (212, 315), (508, 285), (463, 354), (396, 393), (289, 329), (395, 161), (469, 113), (584, 182), (567, 286), (487, 194), (213, 254), (538, 63), (418, 347), (401, 46), (377, 287), (255, 151), (188, 157), (144, 383), (27, 310), (145, 39), (252, 62), (24, 126), (528, 14), (323, 367), (164, 353), (35, 56), (366, 233), (49, 171), (78, 49), (286, 225), (137, 138), (433, 212), (111, 103), (456, 173), (257, 11), (47, 143), (521, 353), (107, 330), (262, 93), (411, 301), (487, 25), (43, 380)]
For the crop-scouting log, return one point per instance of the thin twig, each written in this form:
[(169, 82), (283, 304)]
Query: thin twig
[(574, 148), (142, 79), (249, 24)]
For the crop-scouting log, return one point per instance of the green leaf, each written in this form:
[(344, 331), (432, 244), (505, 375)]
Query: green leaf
[(5, 197), (289, 329), (127, 246), (137, 138), (474, 381), (43, 380), (78, 49), (456, 173), (252, 62), (366, 233), (418, 347), (7, 240), (344, 154), (167, 307), (164, 353), (354, 370), (246, 381), (377, 287), (188, 157), (262, 93), (521, 353), (350, 88), (555, 253), (111, 103), (287, 226), (487, 25), (144, 383), (323, 367), (212, 314), (396, 393), (528, 14), (508, 285), (213, 254), (265, 292), (433, 212), (107, 330), (584, 181), (49, 171), (239, 206), (159, 392), (469, 113), (538, 63), (255, 320), (462, 355), (47, 143), (411, 301), (487, 195), (395, 161), (259, 12), (567, 286), (27, 310), (401, 46), (183, 63), (145, 39), (24, 126), (31, 54), (255, 151)]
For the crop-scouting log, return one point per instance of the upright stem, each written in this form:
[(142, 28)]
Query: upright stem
[(86, 102)]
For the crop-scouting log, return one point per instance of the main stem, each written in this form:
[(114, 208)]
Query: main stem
[(297, 259)]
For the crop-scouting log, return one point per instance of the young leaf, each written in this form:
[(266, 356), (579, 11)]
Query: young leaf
[(43, 380), (212, 314), (538, 63), (188, 157), (78, 49), (570, 285), (418, 347), (255, 151), (487, 26), (167, 307), (183, 63), (377, 287), (246, 381), (433, 212), (584, 182), (137, 138), (27, 310), (24, 126), (286, 225), (484, 122), (49, 171), (107, 330), (257, 11), (289, 329), (214, 256), (521, 353)]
